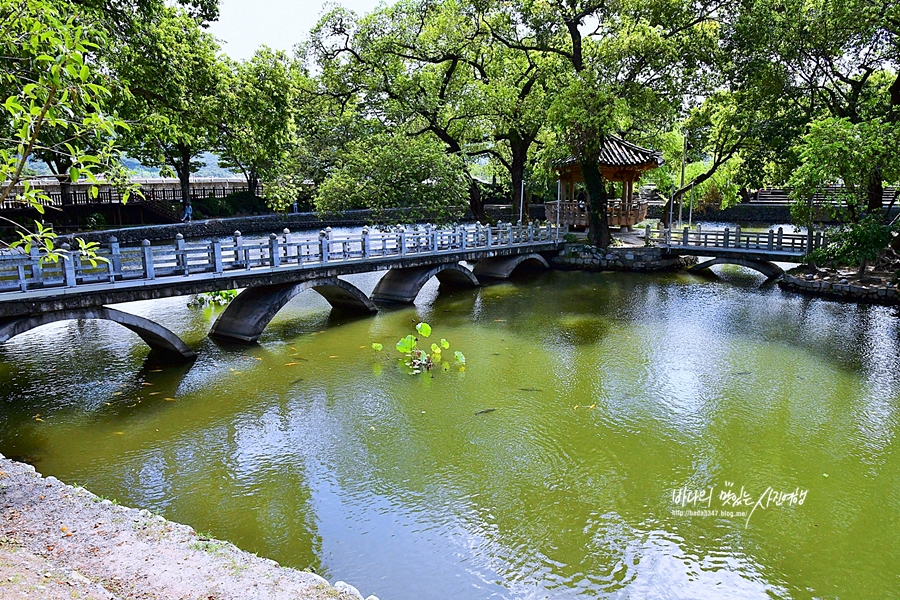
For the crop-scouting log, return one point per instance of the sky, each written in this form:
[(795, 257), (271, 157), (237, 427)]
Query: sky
[(244, 25)]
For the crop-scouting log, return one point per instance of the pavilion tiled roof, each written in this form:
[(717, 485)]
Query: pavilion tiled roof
[(616, 152)]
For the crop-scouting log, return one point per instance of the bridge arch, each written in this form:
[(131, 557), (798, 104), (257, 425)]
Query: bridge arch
[(402, 285), (769, 269), (502, 267), (154, 335), (251, 311)]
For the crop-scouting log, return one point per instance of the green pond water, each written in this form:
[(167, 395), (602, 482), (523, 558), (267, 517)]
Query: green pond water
[(613, 394)]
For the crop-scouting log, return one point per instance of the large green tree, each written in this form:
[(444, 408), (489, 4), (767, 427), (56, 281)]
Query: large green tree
[(170, 73), (55, 100), (256, 99), (832, 62), (621, 67)]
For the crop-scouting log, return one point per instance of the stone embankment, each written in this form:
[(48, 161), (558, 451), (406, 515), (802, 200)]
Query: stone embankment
[(265, 224), (832, 284), (59, 541), (642, 259)]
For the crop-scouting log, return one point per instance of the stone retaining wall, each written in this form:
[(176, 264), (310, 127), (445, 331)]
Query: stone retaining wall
[(587, 258), (261, 224), (264, 224), (841, 288)]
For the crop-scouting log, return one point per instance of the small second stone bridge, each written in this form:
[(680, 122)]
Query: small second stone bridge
[(755, 250), (272, 272)]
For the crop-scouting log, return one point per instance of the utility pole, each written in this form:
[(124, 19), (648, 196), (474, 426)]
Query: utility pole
[(683, 155)]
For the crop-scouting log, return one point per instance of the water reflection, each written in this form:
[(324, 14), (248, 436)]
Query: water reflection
[(609, 391)]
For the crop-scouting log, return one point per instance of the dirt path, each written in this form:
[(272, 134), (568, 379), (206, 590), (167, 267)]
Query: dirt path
[(57, 541)]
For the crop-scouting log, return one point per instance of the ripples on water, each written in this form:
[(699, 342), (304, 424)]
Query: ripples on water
[(610, 391)]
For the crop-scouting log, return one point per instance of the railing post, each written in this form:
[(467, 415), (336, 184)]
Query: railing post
[(323, 246), (699, 235), (216, 255), (778, 239), (37, 271), (737, 236), (147, 260), (647, 235), (725, 237), (68, 266), (668, 237), (115, 258), (238, 248), (366, 248), (487, 236), (463, 237), (180, 258), (771, 240), (509, 229), (401, 232), (286, 236), (685, 236), (274, 258), (530, 231)]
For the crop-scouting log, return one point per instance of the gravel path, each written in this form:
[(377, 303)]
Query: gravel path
[(58, 541)]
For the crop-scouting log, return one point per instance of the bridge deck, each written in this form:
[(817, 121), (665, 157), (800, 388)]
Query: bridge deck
[(28, 286)]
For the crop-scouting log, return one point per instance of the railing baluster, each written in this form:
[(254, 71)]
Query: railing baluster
[(238, 248), (147, 260), (274, 258), (180, 258), (115, 259), (20, 275), (323, 246), (286, 233), (37, 271)]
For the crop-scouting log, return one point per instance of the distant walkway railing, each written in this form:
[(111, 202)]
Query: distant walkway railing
[(773, 240), (23, 272)]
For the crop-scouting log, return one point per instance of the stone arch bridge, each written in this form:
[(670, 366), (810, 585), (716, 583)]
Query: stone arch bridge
[(271, 271), (754, 250)]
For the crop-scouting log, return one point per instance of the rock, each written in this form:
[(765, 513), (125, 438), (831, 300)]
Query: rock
[(346, 588), (843, 281), (629, 257), (372, 597)]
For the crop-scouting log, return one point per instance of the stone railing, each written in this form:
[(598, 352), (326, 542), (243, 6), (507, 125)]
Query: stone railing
[(23, 272), (769, 241)]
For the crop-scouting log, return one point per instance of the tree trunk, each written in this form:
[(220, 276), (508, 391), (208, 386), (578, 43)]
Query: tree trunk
[(598, 234), (874, 191), (65, 190), (667, 206), (184, 173), (517, 174), (476, 205), (252, 182)]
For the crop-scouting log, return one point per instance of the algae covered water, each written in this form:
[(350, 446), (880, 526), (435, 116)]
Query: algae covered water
[(653, 436)]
